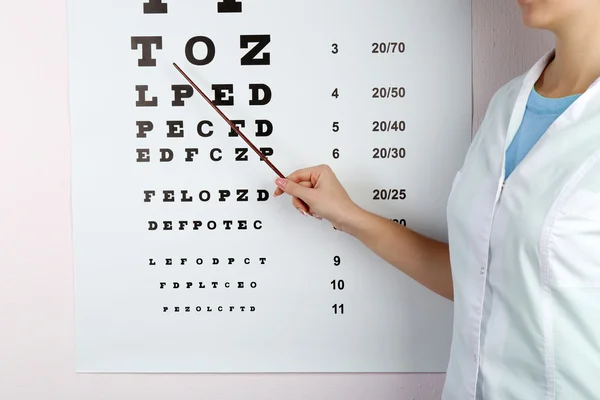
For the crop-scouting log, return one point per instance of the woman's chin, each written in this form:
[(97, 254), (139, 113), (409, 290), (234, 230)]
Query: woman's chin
[(533, 21)]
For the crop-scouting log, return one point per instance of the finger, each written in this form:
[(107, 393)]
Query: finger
[(294, 189), (310, 174), (278, 191), (301, 205), (302, 175)]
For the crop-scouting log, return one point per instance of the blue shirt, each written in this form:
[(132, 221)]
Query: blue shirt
[(540, 113)]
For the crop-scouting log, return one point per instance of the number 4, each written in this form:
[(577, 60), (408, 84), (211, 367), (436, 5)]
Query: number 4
[(335, 93)]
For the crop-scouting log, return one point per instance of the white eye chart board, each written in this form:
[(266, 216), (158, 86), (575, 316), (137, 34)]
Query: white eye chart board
[(184, 260)]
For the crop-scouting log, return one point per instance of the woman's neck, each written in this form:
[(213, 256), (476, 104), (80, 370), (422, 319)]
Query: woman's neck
[(576, 64)]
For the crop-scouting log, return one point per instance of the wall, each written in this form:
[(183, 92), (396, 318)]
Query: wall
[(36, 304), (502, 49)]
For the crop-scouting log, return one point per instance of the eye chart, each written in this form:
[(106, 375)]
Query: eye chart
[(184, 260)]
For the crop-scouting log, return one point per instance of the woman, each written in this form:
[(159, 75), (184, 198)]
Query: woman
[(523, 261)]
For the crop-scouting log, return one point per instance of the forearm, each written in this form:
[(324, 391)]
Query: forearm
[(425, 260)]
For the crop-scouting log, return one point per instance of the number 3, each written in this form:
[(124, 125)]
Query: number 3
[(335, 48)]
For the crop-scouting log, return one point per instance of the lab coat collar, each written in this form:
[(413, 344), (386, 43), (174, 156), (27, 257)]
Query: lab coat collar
[(588, 102), (572, 114)]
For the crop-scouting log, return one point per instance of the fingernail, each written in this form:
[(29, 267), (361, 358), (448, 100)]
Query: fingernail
[(303, 212), (280, 182), (317, 216)]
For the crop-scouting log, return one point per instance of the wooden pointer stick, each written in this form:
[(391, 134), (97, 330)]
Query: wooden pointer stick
[(262, 156), (235, 128)]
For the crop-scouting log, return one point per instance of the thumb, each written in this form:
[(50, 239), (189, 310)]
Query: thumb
[(292, 188)]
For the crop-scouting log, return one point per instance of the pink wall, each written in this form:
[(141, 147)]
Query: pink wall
[(502, 49), (36, 307)]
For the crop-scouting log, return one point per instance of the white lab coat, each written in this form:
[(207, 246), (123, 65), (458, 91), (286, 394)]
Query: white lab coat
[(525, 256)]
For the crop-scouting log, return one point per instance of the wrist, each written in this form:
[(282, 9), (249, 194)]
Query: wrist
[(353, 220)]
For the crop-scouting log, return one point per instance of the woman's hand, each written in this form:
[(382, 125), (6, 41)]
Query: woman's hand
[(317, 191)]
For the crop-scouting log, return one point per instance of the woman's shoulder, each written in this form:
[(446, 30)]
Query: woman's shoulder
[(508, 93), (501, 105)]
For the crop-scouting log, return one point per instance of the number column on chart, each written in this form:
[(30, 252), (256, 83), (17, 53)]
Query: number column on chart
[(337, 285), (390, 131), (368, 144)]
